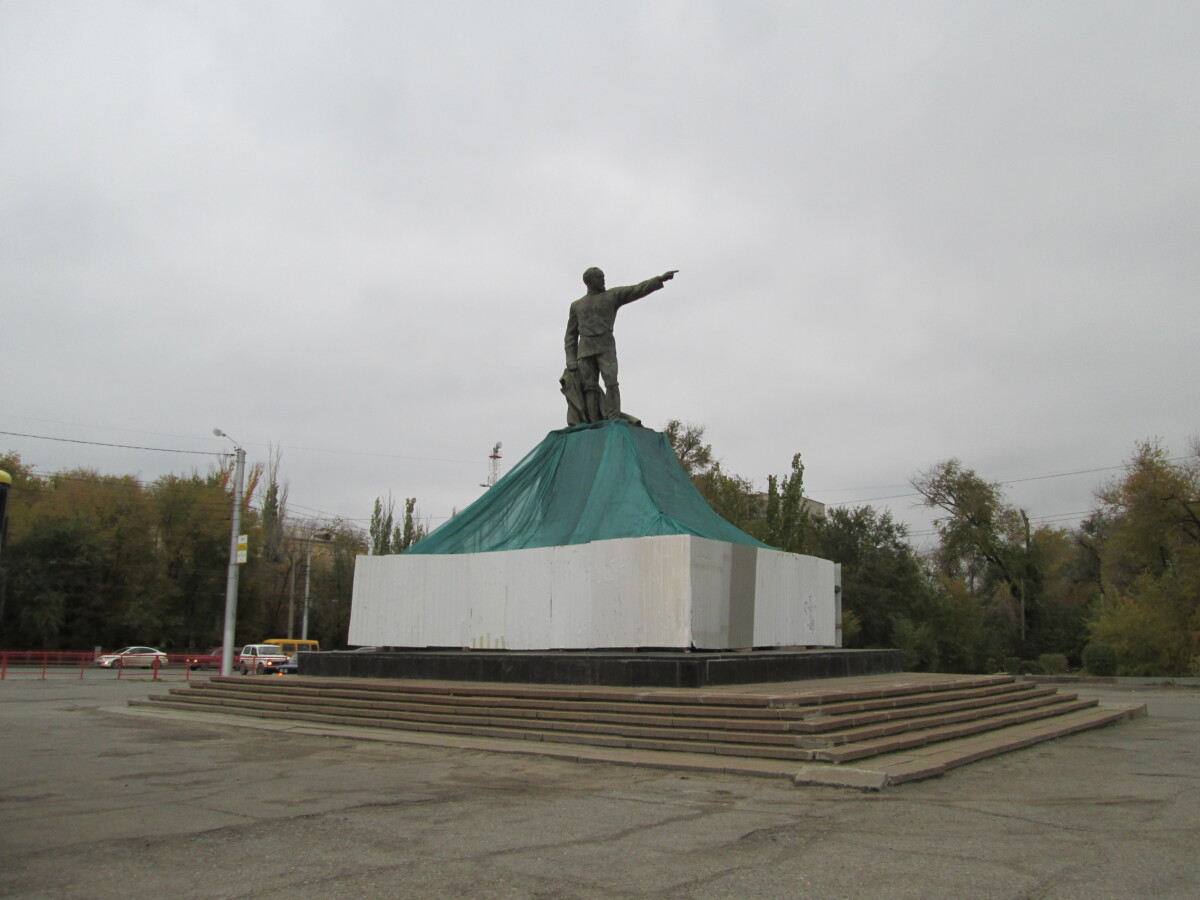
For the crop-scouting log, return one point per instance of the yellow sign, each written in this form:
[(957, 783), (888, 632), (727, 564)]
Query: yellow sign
[(243, 547)]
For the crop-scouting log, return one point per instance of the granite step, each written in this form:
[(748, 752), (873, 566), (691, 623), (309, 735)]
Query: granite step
[(918, 718), (535, 706), (896, 704), (667, 717), (935, 759), (783, 697), (693, 723), (874, 773), (721, 746), (815, 722), (764, 733), (894, 743), (816, 707), (648, 727)]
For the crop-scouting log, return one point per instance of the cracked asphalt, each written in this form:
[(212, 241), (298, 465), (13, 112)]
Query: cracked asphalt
[(95, 804)]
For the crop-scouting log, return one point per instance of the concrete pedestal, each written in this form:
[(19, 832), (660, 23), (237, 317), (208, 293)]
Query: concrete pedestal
[(669, 592)]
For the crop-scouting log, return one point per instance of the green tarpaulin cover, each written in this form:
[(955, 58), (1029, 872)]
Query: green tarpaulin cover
[(581, 484)]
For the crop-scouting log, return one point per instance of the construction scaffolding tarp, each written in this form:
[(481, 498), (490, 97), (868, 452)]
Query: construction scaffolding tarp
[(587, 483)]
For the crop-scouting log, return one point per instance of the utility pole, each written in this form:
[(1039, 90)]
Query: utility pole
[(322, 537), (231, 581), (307, 583), (5, 485), (1024, 578), (291, 598)]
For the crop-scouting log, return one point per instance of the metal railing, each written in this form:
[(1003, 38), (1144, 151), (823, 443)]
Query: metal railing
[(47, 664)]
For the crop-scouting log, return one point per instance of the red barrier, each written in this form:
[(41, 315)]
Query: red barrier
[(43, 665)]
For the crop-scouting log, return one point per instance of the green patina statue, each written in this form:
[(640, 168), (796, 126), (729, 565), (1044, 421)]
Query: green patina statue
[(592, 350)]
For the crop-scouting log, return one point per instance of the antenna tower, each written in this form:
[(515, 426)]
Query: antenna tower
[(494, 470)]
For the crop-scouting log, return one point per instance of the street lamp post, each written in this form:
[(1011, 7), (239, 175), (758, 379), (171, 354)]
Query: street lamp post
[(231, 581)]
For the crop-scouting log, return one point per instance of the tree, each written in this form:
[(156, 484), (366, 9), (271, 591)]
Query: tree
[(985, 542), (44, 583), (83, 564), (953, 623), (99, 559), (730, 496), (883, 580), (1147, 539), (788, 520), (192, 514), (273, 573), (687, 441), (274, 511), (1066, 581), (381, 530), (387, 536), (413, 529), (982, 537)]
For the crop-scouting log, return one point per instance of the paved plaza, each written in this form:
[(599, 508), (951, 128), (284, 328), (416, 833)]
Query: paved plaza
[(97, 803)]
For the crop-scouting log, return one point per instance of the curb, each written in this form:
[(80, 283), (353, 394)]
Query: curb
[(1129, 681)]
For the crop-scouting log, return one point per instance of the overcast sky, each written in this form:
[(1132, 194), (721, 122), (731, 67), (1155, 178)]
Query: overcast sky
[(906, 231)]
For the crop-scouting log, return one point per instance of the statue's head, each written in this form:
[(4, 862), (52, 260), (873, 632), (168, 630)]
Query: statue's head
[(594, 279)]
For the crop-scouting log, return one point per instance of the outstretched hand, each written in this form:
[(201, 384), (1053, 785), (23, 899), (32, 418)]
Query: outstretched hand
[(667, 276)]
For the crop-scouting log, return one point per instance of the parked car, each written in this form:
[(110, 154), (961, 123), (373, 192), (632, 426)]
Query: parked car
[(132, 657), (259, 658), (211, 659)]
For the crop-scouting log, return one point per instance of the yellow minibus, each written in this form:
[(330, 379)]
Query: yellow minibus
[(290, 646)]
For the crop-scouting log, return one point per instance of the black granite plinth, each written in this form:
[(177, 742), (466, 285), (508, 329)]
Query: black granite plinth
[(611, 668)]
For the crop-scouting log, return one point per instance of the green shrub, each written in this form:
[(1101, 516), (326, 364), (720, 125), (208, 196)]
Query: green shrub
[(1100, 659), (851, 627), (1012, 665), (1053, 663)]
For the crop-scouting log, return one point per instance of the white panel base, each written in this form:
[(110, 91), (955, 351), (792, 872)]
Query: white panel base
[(675, 591)]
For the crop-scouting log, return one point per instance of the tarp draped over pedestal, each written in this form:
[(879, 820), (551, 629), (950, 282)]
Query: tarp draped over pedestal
[(586, 483)]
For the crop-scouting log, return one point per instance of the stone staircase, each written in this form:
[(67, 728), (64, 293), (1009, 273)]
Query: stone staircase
[(879, 719)]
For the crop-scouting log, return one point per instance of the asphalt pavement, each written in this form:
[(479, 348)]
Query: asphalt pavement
[(95, 803)]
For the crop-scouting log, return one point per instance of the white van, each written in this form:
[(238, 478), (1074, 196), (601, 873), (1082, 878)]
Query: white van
[(258, 658)]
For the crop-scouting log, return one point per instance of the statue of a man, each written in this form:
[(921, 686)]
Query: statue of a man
[(591, 348)]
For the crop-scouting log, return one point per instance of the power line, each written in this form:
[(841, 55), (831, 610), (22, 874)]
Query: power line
[(340, 451), (1065, 474), (873, 487), (1056, 517), (344, 452), (1043, 520), (875, 499), (42, 437), (94, 425), (1008, 481)]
